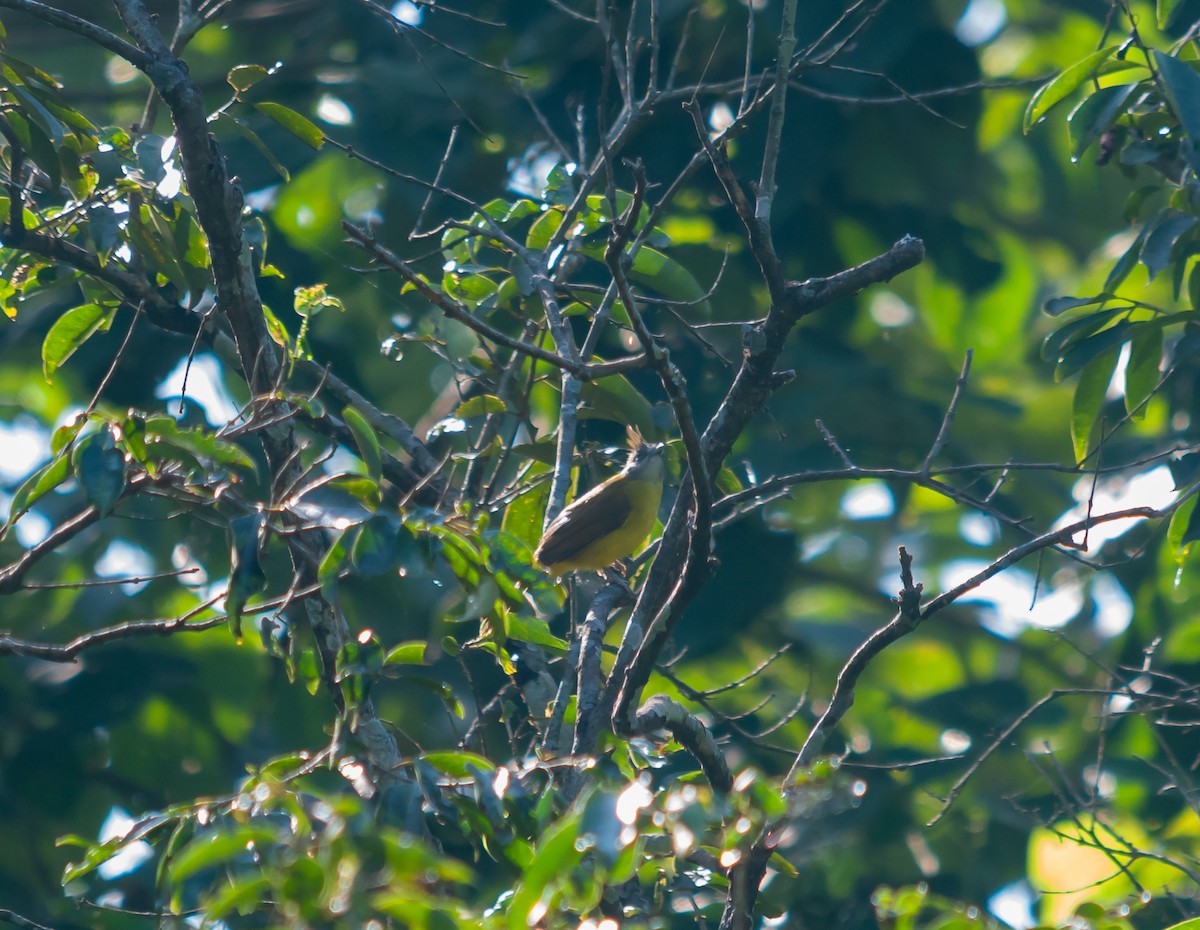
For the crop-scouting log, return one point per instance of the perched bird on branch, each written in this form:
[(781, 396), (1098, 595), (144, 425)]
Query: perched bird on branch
[(610, 521)]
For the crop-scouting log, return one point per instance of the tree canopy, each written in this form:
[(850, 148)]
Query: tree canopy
[(317, 313)]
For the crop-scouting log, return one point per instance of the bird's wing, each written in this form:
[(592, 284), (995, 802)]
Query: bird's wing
[(580, 525)]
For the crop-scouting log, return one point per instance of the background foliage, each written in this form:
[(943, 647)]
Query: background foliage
[(229, 775)]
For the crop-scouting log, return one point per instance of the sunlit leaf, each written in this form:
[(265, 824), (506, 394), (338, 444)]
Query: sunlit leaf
[(410, 653), (1089, 399), (70, 331), (1063, 85), (300, 127), (218, 846), (37, 485), (556, 855), (366, 440), (480, 405), (243, 77), (458, 764), (164, 433), (1142, 373)]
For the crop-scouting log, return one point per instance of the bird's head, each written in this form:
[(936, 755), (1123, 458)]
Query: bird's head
[(646, 460)]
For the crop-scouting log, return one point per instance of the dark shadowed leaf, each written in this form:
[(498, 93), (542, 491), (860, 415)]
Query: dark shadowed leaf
[(1095, 115), (100, 467), (1182, 87)]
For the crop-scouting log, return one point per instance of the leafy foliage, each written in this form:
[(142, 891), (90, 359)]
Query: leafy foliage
[(275, 647)]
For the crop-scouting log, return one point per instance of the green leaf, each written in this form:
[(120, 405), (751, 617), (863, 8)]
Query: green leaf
[(217, 846), (1142, 373), (1161, 243), (458, 764), (480, 405), (70, 331), (615, 398), (366, 440), (224, 118), (1128, 260), (1095, 115), (156, 246), (335, 558), (243, 894), (37, 485), (1080, 353), (309, 301), (303, 129), (523, 517), (661, 272), (243, 77), (1079, 328), (1063, 85), (1059, 305), (379, 545), (557, 855), (1181, 84), (246, 576), (32, 107), (66, 433), (1180, 533), (533, 630), (1089, 399), (543, 230), (408, 653), (1164, 11), (100, 467), (38, 146), (164, 433)]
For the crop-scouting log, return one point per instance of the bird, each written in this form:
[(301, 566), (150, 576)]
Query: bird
[(609, 521)]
